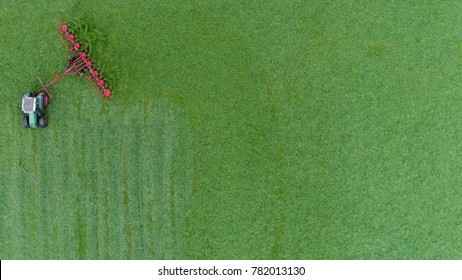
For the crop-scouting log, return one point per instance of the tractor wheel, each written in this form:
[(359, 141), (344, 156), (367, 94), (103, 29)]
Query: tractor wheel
[(45, 98), (43, 122), (25, 121), (45, 101)]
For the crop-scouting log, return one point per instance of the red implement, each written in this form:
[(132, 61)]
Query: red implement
[(79, 64)]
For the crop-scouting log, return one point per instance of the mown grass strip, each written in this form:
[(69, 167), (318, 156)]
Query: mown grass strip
[(136, 192), (147, 156), (113, 161)]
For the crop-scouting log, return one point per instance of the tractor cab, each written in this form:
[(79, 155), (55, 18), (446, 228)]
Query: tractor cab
[(33, 107), (29, 104)]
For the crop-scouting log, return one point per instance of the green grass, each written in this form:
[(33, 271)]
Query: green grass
[(237, 130)]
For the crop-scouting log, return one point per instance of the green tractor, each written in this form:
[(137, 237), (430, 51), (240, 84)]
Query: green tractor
[(33, 107)]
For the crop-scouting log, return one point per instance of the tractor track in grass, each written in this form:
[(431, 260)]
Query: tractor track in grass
[(44, 230), (106, 200), (127, 228), (147, 174), (172, 183), (17, 198), (55, 169), (94, 191), (10, 204), (167, 191), (100, 197), (81, 230), (91, 178), (114, 168), (135, 193), (28, 194), (4, 215), (82, 173), (65, 189)]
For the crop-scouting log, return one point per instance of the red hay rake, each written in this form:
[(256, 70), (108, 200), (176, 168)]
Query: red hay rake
[(79, 64)]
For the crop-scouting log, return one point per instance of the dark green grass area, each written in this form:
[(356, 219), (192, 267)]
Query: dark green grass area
[(237, 130)]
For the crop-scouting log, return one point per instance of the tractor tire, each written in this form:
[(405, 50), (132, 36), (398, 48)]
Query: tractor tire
[(25, 121), (45, 101), (43, 122)]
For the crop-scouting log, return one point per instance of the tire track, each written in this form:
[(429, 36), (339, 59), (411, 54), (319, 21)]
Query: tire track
[(172, 184), (4, 190), (127, 229), (9, 190), (18, 185), (55, 168), (113, 165), (44, 207), (104, 228), (64, 190), (135, 192), (80, 224), (146, 172), (94, 196)]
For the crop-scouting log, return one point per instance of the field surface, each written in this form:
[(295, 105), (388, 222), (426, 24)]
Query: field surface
[(237, 130)]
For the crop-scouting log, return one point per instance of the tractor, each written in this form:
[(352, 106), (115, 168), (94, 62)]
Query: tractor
[(33, 107), (79, 64)]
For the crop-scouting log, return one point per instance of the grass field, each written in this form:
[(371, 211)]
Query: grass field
[(237, 130)]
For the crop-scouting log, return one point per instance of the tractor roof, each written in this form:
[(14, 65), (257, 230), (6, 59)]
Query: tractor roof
[(28, 104)]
